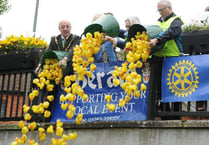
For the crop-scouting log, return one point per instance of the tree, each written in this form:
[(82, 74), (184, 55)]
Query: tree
[(4, 6)]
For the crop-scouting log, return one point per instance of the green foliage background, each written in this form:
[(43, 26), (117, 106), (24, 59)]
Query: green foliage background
[(4, 6)]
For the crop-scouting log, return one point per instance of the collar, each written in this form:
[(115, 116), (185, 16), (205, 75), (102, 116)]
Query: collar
[(168, 17), (62, 37)]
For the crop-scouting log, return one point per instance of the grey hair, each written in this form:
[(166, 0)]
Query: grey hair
[(133, 20), (96, 16), (207, 9), (167, 3), (65, 21)]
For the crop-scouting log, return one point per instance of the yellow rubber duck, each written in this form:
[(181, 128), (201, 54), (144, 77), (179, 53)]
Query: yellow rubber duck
[(21, 124), (59, 131), (73, 77), (67, 90), (143, 87), (47, 113), (50, 87), (41, 129), (108, 98), (50, 129), (116, 82), (111, 107), (137, 93), (65, 137), (79, 119), (64, 106), (93, 67), (26, 108), (62, 98), (23, 139), (42, 136), (35, 93), (27, 116), (73, 135), (32, 126), (46, 104), (59, 123), (85, 97), (25, 130), (69, 114), (50, 98), (122, 103)]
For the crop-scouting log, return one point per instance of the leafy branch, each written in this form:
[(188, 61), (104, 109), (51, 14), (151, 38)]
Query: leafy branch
[(4, 6)]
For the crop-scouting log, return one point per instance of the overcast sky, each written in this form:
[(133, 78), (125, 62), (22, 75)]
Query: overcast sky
[(20, 19)]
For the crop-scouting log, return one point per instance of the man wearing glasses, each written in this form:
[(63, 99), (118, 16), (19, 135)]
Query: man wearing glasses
[(170, 42)]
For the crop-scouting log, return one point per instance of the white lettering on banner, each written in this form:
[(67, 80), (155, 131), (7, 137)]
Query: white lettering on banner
[(94, 109), (98, 83), (87, 109), (90, 82), (95, 98), (143, 94), (127, 108), (100, 98), (78, 98), (106, 118), (104, 110), (110, 80), (97, 87), (123, 94), (114, 97), (111, 118), (99, 79)]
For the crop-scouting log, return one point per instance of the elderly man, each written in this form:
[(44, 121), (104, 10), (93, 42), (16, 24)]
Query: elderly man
[(65, 42), (171, 25), (170, 42)]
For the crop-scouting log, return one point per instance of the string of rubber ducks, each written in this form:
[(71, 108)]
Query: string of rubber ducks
[(83, 65), (52, 72), (82, 58), (138, 51)]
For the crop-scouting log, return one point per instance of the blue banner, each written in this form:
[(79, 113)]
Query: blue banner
[(185, 78), (96, 87)]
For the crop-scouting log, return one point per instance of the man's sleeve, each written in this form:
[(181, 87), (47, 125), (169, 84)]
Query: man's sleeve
[(172, 32), (52, 43)]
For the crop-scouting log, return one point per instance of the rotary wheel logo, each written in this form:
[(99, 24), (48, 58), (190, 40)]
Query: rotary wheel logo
[(183, 78)]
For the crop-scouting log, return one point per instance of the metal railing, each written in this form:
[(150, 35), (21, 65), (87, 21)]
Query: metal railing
[(14, 88), (16, 85), (183, 109)]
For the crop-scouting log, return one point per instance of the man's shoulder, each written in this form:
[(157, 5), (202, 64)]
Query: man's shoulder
[(76, 36), (55, 37)]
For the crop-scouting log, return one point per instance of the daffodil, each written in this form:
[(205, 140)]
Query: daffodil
[(21, 43)]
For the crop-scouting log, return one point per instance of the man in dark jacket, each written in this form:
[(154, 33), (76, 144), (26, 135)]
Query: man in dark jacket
[(65, 42)]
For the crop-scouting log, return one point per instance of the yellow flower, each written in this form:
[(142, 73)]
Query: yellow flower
[(21, 43)]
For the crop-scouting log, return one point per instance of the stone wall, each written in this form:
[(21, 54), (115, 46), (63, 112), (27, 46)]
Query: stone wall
[(193, 132)]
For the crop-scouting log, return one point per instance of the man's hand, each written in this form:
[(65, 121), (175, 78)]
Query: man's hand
[(111, 39), (107, 38), (63, 62), (153, 42)]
